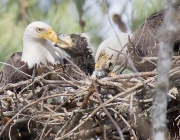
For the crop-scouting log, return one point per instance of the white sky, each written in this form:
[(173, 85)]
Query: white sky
[(116, 7)]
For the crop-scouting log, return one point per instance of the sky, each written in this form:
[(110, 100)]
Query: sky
[(116, 7)]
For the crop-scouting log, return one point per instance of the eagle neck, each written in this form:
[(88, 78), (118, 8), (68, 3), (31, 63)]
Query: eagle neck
[(39, 52)]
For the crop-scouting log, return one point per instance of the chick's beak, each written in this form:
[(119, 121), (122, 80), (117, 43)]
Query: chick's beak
[(52, 36), (66, 39)]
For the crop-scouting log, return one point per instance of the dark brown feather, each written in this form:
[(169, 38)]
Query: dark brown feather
[(12, 72), (81, 53), (145, 44), (12, 75)]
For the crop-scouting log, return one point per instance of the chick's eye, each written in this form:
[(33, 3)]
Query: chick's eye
[(73, 40), (38, 30)]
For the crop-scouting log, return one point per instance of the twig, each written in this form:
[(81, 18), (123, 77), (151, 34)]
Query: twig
[(78, 115), (94, 111), (28, 105), (110, 117)]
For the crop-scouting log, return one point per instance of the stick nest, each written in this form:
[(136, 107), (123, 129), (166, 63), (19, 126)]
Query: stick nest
[(117, 107)]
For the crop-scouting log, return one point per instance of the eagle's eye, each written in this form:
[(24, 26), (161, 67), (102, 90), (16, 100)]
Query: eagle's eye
[(38, 30), (102, 55)]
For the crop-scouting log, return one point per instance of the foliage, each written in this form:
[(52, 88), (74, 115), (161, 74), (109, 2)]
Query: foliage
[(142, 9)]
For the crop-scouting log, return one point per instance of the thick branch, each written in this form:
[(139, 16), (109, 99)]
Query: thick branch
[(167, 35)]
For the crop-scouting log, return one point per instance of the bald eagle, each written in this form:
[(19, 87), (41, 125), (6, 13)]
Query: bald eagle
[(143, 44), (38, 49), (109, 49), (41, 53)]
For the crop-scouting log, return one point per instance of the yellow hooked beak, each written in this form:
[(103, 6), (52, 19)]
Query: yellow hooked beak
[(102, 57), (48, 34), (51, 35), (96, 66), (101, 60)]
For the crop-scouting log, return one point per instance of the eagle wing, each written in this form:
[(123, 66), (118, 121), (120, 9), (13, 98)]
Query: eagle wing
[(145, 43), (15, 70)]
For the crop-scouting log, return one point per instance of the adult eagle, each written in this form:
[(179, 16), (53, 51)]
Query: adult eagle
[(41, 55), (142, 48), (145, 45), (110, 48)]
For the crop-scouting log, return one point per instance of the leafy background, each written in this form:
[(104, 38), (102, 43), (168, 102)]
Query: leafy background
[(71, 16)]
